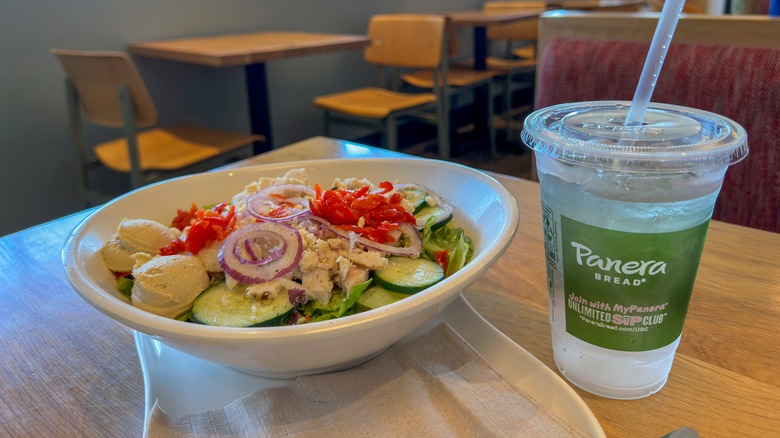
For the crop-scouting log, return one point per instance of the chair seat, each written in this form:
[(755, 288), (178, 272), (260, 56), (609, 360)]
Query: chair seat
[(526, 52), (502, 65), (171, 148), (507, 65), (372, 102), (457, 76)]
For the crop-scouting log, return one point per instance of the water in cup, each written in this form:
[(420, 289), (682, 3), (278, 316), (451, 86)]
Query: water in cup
[(625, 212)]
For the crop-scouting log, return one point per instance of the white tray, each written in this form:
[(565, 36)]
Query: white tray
[(181, 383)]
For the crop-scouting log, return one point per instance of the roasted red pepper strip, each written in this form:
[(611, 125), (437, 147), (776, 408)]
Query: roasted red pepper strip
[(184, 217), (175, 247), (381, 214), (205, 227), (442, 258)]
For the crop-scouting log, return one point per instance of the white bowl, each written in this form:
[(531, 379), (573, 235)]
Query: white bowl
[(483, 207)]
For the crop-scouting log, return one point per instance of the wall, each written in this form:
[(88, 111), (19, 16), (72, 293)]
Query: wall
[(37, 168)]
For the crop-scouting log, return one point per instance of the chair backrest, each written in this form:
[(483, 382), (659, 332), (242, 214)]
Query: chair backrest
[(97, 77), (407, 40), (733, 71), (524, 30)]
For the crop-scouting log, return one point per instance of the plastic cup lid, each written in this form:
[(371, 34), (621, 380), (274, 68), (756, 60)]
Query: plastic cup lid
[(672, 138)]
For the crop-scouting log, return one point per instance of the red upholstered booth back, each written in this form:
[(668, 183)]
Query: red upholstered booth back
[(742, 83)]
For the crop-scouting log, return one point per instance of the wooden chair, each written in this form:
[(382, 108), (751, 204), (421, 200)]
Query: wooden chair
[(109, 90), (729, 65), (399, 42), (517, 63), (519, 38), (454, 81)]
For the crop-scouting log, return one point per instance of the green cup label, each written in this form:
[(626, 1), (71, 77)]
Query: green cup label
[(628, 291)]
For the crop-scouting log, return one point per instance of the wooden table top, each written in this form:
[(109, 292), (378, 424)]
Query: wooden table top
[(477, 18), (594, 4), (249, 48), (68, 370), (481, 18)]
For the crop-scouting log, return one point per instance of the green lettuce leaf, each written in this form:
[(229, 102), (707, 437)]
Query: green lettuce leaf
[(458, 245), (125, 285), (340, 304)]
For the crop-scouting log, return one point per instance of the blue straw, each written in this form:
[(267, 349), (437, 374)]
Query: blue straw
[(670, 14)]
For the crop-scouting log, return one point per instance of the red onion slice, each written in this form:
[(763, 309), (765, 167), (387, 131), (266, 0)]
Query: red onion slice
[(253, 248), (262, 202), (284, 188), (275, 264), (407, 229), (410, 231)]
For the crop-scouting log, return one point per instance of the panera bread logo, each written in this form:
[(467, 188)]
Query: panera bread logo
[(586, 257)]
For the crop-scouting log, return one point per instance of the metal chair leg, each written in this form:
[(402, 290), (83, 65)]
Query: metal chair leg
[(128, 115), (491, 124), (508, 106), (77, 141), (327, 123), (391, 133), (443, 127)]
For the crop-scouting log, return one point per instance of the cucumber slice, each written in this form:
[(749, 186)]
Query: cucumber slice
[(377, 296), (225, 307), (442, 214), (408, 276), (416, 196)]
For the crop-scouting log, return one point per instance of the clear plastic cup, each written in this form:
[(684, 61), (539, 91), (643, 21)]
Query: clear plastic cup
[(625, 215)]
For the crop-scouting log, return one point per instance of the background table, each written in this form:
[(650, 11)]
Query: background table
[(602, 5), (251, 51), (480, 20), (68, 370)]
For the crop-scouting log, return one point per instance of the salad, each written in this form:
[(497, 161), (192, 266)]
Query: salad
[(285, 252)]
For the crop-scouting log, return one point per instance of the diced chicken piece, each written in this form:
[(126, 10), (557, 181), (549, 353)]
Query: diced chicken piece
[(317, 284), (355, 277), (270, 289), (350, 274)]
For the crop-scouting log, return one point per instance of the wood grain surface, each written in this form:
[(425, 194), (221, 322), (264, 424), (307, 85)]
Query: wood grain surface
[(67, 370), (244, 49), (724, 379)]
